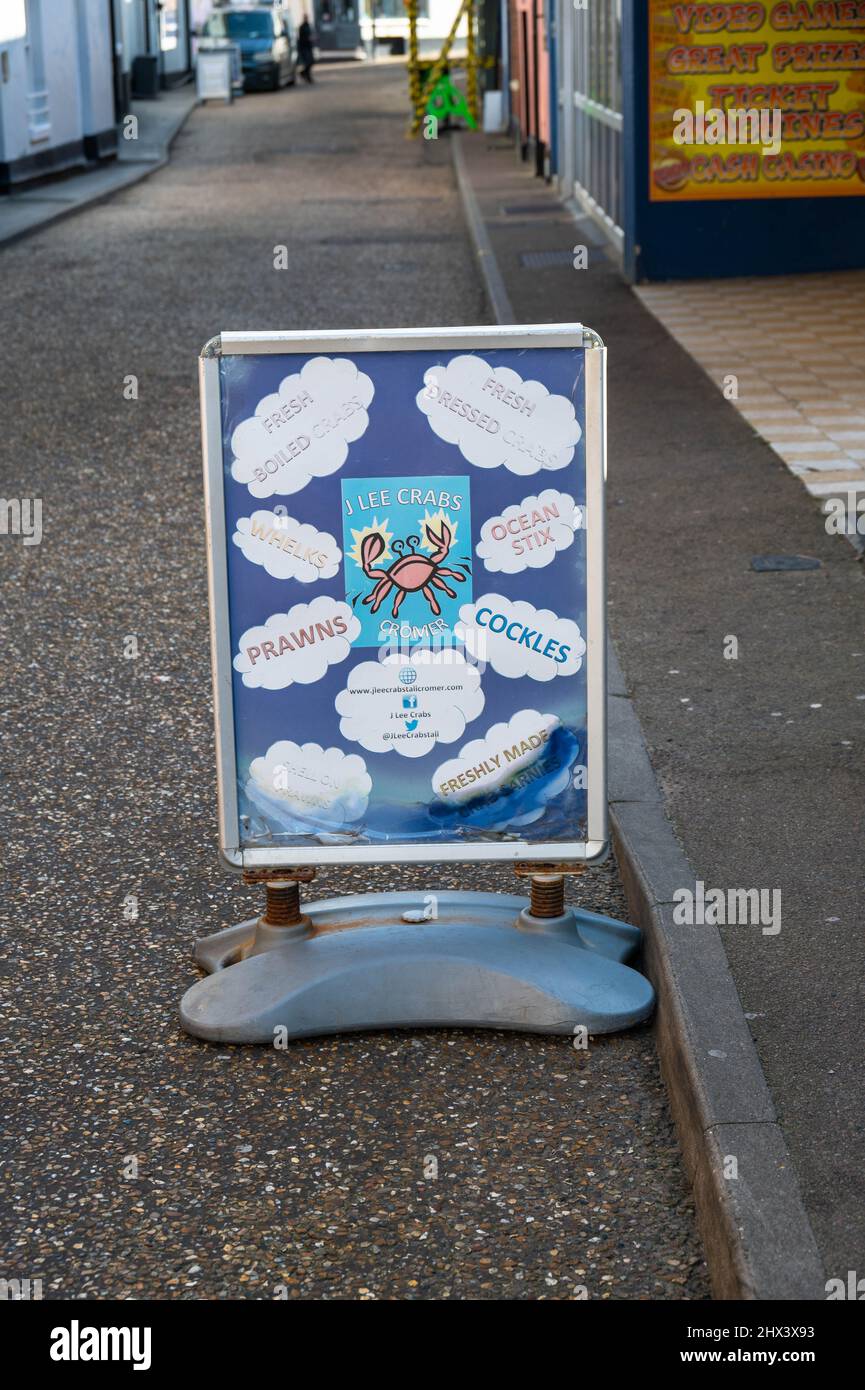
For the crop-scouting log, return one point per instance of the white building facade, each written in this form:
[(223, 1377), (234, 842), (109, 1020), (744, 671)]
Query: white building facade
[(387, 18), (57, 105), (69, 70), (157, 33)]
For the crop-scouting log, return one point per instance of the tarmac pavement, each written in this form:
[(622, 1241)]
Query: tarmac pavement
[(138, 1162), (758, 754)]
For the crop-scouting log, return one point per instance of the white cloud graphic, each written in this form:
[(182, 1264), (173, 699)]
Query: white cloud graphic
[(380, 711), (298, 645), (496, 419), (305, 784), (529, 534), (302, 430), (287, 549), (518, 639), (490, 762)]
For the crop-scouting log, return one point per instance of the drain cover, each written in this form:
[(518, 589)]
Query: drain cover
[(537, 260), (763, 563)]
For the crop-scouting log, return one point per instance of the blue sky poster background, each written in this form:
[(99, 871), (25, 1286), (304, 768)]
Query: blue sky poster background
[(404, 522), (400, 443)]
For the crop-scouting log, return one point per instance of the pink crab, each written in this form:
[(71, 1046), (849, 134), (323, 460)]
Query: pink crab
[(410, 571)]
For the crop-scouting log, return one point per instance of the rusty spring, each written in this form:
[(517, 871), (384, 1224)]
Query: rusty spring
[(283, 904), (283, 894), (547, 895)]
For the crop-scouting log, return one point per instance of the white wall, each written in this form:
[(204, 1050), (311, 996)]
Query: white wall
[(130, 21), (95, 66), (136, 21), (75, 41), (60, 54), (174, 36), (13, 102), (431, 29)]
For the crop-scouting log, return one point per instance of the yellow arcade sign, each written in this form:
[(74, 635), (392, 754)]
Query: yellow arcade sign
[(762, 100)]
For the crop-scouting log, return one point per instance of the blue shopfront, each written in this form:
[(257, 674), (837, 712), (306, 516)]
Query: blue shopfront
[(715, 140)]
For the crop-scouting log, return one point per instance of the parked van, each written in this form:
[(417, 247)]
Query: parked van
[(267, 51)]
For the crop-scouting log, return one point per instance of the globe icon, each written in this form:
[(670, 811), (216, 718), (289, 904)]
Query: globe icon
[(408, 675)]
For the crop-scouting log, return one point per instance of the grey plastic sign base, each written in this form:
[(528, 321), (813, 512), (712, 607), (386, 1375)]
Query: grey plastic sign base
[(378, 961)]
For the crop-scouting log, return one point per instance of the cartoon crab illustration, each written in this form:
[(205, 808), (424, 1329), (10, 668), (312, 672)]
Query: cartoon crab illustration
[(411, 570)]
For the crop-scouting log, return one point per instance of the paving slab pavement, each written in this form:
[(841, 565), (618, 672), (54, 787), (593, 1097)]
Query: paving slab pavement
[(759, 758), (799, 353), (140, 1163)]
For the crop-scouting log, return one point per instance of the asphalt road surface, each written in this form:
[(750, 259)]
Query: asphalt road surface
[(139, 1163)]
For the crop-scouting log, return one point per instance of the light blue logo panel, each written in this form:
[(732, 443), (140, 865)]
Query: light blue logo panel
[(408, 560)]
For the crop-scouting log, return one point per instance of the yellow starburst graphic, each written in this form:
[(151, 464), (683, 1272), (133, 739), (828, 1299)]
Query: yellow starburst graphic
[(435, 521), (359, 536)]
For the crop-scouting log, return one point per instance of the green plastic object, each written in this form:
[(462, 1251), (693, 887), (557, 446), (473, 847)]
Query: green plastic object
[(446, 99)]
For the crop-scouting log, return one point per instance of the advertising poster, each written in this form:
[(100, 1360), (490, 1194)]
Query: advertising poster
[(406, 574), (736, 65)]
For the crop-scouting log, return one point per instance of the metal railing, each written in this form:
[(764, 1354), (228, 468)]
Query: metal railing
[(595, 142)]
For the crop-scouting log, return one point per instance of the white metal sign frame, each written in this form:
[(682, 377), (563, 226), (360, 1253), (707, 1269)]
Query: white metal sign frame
[(595, 846)]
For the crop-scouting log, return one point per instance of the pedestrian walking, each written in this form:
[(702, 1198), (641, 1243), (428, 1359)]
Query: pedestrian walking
[(304, 49)]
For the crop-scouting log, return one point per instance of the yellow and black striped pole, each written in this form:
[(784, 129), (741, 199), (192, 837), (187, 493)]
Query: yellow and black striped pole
[(437, 69), (414, 83), (472, 62)]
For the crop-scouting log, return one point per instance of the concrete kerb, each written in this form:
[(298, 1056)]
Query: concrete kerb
[(757, 1237), (489, 267)]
